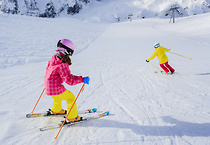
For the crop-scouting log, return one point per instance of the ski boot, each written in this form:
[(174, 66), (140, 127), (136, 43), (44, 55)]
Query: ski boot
[(77, 119), (62, 112)]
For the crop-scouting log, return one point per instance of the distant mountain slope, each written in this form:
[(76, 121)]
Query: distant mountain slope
[(111, 10)]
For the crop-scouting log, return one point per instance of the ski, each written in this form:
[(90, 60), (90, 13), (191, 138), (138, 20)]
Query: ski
[(162, 72), (97, 116), (48, 113), (159, 72)]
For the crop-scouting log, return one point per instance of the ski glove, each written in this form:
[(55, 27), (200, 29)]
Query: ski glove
[(86, 80), (147, 60)]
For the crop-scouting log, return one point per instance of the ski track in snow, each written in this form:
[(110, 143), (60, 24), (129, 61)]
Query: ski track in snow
[(145, 107)]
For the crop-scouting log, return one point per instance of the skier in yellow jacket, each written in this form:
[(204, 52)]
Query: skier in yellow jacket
[(163, 59)]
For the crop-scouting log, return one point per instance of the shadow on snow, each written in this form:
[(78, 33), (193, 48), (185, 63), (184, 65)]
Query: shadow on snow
[(178, 128)]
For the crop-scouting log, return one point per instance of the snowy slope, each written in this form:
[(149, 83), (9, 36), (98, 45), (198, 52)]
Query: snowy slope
[(146, 108), (105, 10), (113, 10)]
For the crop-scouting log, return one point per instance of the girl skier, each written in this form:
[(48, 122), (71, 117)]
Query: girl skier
[(163, 59), (57, 72)]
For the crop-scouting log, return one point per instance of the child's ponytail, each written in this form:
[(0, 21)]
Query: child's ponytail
[(67, 59)]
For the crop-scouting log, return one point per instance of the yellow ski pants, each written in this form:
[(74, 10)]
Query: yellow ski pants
[(69, 98)]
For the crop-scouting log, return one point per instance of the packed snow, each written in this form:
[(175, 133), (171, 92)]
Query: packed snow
[(146, 108)]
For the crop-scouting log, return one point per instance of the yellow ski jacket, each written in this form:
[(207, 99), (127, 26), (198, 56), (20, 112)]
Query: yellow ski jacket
[(160, 53)]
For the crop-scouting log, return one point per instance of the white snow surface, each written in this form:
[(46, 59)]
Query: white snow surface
[(146, 108)]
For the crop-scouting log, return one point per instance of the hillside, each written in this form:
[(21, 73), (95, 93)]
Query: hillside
[(105, 10), (146, 108)]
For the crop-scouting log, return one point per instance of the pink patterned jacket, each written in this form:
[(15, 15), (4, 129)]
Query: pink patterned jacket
[(58, 72)]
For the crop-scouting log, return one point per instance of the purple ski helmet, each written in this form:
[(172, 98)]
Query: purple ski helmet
[(66, 45)]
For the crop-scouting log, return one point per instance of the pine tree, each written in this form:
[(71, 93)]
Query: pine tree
[(49, 11), (75, 9), (31, 7), (10, 6)]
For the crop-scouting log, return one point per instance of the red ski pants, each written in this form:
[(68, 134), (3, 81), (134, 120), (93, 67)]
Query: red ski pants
[(166, 67)]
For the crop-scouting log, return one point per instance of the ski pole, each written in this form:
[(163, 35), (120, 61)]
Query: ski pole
[(70, 110), (158, 68), (38, 101), (180, 55)]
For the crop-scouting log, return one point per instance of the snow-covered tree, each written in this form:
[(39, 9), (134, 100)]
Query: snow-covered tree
[(31, 7), (49, 11), (74, 9), (10, 6)]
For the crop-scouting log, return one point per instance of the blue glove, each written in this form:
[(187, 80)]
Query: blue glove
[(86, 80), (147, 61)]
